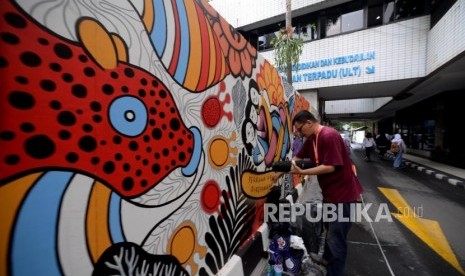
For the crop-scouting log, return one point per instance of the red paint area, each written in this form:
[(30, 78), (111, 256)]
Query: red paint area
[(54, 113), (213, 108), (210, 197), (211, 113)]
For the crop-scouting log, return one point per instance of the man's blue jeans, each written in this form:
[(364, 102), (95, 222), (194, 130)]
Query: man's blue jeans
[(336, 243)]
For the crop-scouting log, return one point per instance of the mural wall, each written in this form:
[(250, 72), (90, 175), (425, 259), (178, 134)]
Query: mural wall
[(136, 137)]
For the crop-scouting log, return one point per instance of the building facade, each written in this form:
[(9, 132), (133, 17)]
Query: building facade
[(399, 64)]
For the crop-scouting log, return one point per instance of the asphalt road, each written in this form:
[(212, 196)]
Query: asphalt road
[(426, 234)]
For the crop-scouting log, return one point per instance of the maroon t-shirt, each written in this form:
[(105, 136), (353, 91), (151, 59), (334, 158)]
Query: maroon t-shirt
[(341, 185)]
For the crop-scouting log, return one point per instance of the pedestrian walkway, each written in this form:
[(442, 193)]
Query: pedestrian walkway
[(449, 174)]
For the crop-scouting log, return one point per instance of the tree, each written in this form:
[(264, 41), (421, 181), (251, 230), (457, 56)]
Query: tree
[(287, 48)]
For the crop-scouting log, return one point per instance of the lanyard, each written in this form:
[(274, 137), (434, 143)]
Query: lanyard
[(315, 145)]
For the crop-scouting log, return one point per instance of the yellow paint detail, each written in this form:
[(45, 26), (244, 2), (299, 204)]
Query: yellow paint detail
[(396, 199), (184, 246), (212, 53), (223, 69), (98, 42), (219, 151), (11, 197), (288, 119), (233, 150), (280, 144), (98, 235), (148, 15), (267, 76), (195, 58), (121, 48), (429, 231)]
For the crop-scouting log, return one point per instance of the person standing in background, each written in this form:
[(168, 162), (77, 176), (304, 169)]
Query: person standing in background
[(383, 144), (398, 155), (369, 144), (347, 142)]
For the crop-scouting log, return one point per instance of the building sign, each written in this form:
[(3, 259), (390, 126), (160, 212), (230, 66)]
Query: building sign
[(332, 68)]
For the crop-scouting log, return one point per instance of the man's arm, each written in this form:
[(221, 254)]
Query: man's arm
[(278, 175), (321, 169)]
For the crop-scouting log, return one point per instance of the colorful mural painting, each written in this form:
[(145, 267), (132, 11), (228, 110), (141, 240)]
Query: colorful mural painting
[(136, 137)]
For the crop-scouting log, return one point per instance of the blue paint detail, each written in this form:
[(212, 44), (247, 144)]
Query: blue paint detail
[(181, 69), (292, 100), (191, 168), (160, 31), (116, 232), (128, 115), (275, 121), (34, 242), (286, 142)]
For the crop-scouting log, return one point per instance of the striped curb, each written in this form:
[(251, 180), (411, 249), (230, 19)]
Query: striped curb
[(456, 182), (450, 179)]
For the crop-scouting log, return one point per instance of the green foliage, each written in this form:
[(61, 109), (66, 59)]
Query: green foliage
[(339, 125), (287, 50)]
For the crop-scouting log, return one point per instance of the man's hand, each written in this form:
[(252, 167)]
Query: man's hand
[(295, 169), (276, 176)]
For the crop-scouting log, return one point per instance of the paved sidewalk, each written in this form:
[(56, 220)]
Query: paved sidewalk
[(449, 174)]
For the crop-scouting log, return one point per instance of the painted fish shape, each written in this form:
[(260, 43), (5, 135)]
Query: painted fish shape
[(59, 110)]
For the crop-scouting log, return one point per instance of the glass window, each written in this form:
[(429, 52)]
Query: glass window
[(375, 15), (261, 42), (406, 9), (352, 6), (438, 9), (265, 41), (295, 31), (388, 12), (304, 33), (352, 21), (333, 25), (308, 32)]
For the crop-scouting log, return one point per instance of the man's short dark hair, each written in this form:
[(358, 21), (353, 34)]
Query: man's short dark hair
[(304, 116)]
